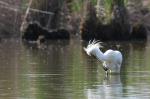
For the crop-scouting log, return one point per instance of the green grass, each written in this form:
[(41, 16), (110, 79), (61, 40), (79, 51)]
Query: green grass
[(77, 5), (108, 5)]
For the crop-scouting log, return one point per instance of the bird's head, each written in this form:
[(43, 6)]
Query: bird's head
[(87, 51), (92, 47)]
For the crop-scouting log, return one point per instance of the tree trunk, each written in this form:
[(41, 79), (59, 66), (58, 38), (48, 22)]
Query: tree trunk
[(120, 21), (114, 24), (89, 23)]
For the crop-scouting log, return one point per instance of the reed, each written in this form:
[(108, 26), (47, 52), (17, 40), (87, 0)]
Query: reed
[(77, 5), (105, 9)]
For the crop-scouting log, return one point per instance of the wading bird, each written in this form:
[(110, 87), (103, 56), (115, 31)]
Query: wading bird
[(112, 59)]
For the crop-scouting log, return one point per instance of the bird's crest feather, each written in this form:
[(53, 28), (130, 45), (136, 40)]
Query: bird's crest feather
[(92, 45)]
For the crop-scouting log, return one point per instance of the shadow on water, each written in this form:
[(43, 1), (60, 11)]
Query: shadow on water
[(54, 43)]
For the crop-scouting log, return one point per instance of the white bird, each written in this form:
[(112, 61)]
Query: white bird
[(112, 59)]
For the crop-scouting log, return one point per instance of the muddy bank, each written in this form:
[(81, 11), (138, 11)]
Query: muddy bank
[(35, 31)]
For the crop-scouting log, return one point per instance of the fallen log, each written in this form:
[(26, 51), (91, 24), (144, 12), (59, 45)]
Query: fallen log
[(35, 31)]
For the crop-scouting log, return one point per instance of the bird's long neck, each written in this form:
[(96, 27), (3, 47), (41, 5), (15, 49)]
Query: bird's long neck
[(99, 55)]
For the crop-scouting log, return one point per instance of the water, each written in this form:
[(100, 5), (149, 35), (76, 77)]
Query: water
[(62, 70)]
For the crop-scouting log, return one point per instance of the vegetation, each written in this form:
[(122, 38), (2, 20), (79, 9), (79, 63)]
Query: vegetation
[(101, 19), (113, 22), (110, 19)]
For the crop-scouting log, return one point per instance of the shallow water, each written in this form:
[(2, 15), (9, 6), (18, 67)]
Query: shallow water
[(62, 70)]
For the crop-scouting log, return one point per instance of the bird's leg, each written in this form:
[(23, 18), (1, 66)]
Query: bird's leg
[(106, 73), (110, 71), (105, 67)]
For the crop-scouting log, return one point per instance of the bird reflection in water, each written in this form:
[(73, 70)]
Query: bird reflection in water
[(111, 88)]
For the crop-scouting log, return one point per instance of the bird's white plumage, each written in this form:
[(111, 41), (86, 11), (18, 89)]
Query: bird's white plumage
[(111, 59)]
